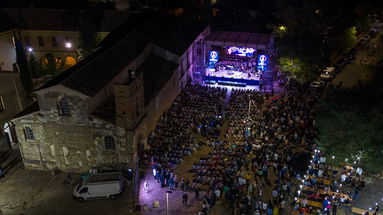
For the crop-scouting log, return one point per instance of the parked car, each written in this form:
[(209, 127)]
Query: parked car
[(317, 84), (373, 33), (325, 77), (100, 185), (366, 39), (329, 70)]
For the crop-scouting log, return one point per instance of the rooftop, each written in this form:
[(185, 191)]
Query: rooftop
[(157, 71), (242, 39), (122, 46), (106, 110), (93, 73)]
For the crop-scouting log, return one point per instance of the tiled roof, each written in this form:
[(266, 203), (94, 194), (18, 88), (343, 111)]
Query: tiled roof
[(106, 110), (93, 73), (157, 71), (96, 74)]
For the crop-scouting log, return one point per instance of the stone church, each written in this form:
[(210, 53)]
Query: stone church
[(98, 113)]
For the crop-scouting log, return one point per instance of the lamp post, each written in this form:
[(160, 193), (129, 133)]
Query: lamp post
[(167, 201)]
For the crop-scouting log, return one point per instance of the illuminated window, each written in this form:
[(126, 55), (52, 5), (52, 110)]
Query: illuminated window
[(58, 62), (109, 143), (70, 61), (41, 41), (2, 106), (63, 107), (54, 41), (28, 132)]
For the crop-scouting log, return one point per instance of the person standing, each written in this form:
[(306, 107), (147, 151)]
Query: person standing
[(146, 186), (197, 192), (334, 207), (184, 198)]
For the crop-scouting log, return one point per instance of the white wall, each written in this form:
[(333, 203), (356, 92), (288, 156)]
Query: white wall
[(7, 51)]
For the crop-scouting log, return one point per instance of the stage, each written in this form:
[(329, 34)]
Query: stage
[(231, 78)]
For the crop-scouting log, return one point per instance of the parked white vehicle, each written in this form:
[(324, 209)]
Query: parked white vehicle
[(317, 84), (329, 70), (100, 185), (328, 74)]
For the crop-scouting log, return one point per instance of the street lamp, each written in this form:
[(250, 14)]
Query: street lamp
[(167, 201), (282, 28), (30, 49), (68, 45)]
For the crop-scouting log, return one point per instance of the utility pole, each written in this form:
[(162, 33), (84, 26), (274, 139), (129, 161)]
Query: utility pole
[(167, 201)]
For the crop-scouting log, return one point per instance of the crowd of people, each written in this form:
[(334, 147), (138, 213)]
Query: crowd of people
[(172, 138), (238, 112), (324, 189), (237, 170)]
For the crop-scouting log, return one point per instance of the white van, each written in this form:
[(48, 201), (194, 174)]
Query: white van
[(100, 185)]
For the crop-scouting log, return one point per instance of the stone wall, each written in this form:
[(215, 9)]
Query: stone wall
[(70, 143)]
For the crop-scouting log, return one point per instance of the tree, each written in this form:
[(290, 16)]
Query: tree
[(293, 67), (34, 67), (351, 136), (51, 66), (21, 60), (351, 123), (342, 39), (88, 35)]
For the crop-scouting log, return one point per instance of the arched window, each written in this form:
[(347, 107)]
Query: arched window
[(109, 143), (70, 61), (63, 107), (29, 133)]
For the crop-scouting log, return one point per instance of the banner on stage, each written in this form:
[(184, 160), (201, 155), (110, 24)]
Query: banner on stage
[(262, 62), (213, 56)]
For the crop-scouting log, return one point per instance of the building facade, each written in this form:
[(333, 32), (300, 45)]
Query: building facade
[(41, 32), (99, 113), (12, 100), (48, 31)]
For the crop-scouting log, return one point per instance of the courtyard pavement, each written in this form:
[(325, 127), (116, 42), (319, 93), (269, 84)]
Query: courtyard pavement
[(33, 192), (156, 193), (372, 195)]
